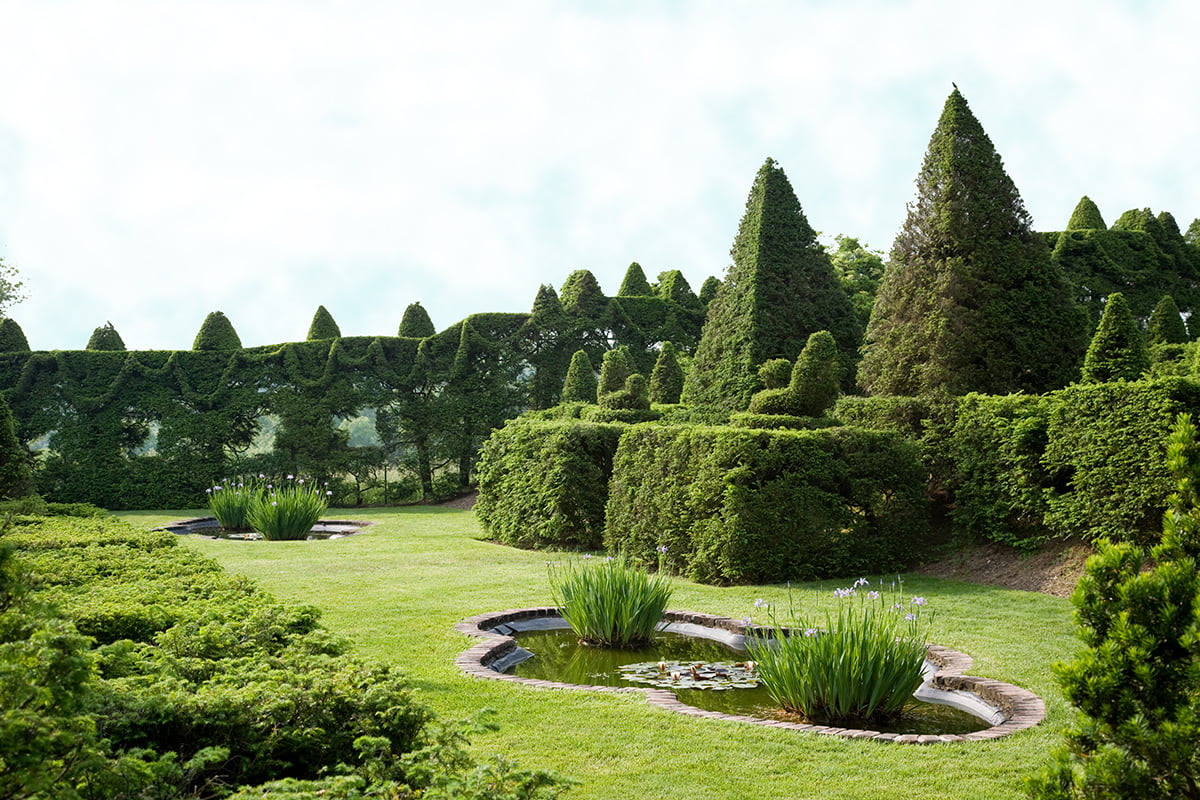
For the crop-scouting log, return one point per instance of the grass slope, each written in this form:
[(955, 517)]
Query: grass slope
[(398, 588)]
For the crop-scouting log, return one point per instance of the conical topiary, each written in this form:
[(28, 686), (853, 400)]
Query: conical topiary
[(105, 338), (674, 287), (416, 324), (1117, 351), (581, 295), (1166, 325), (635, 283), (12, 338), (666, 379), (217, 333), (615, 370), (580, 383), (1086, 217), (323, 326), (815, 376), (708, 289)]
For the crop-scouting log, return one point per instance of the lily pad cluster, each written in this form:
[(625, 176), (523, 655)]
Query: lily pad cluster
[(716, 676)]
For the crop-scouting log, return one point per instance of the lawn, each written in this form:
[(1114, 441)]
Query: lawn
[(398, 588)]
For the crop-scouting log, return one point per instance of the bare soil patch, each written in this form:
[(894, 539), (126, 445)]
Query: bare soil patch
[(1054, 569)]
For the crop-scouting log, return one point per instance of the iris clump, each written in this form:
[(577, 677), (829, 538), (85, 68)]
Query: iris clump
[(288, 510), (230, 502), (863, 664), (609, 602)]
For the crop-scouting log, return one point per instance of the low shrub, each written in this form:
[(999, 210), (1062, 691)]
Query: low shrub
[(609, 602), (863, 663)]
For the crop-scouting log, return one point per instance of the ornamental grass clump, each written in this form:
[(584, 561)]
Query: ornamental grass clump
[(864, 664), (288, 510), (609, 602), (230, 502)]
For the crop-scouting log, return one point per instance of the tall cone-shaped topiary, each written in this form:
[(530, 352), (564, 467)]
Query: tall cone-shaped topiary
[(416, 324), (708, 289), (12, 338), (217, 333), (779, 289), (635, 283), (971, 301), (1086, 217), (105, 337), (815, 377), (323, 326), (666, 379), (1117, 351), (1166, 325), (580, 383)]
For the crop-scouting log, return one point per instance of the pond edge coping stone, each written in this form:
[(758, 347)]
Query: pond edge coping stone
[(1022, 708)]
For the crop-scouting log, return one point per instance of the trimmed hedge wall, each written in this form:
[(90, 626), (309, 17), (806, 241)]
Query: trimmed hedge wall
[(544, 482), (755, 506)]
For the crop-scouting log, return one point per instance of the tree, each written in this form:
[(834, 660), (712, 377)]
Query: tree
[(666, 379), (815, 377), (1138, 682), (10, 288), (545, 343), (416, 323), (580, 383), (1166, 325), (635, 283), (779, 289), (708, 289), (1086, 217), (217, 333), (105, 337), (12, 338), (858, 271), (971, 300), (1117, 351), (323, 326), (15, 477)]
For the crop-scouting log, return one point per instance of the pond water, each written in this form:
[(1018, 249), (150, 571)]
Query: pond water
[(558, 656)]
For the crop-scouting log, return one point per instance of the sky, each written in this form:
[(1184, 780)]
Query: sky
[(162, 160)]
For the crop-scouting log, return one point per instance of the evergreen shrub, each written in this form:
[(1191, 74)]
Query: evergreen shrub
[(12, 338), (217, 333), (752, 506), (544, 483)]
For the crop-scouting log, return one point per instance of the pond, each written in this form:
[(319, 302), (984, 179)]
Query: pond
[(721, 682), (208, 526)]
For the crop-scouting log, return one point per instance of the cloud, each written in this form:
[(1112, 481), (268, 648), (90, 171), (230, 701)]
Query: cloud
[(263, 158)]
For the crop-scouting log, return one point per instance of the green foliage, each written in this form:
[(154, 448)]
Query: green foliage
[(635, 283), (546, 344), (735, 505), (859, 271), (12, 338), (231, 502), (545, 483), (323, 326), (15, 478), (615, 370), (815, 379), (673, 287), (217, 333), (775, 373), (287, 510), (105, 338), (708, 290), (1086, 217), (580, 385), (609, 602), (779, 290), (582, 296), (861, 665), (416, 324), (1118, 351), (1166, 325), (1137, 683), (666, 380), (971, 300)]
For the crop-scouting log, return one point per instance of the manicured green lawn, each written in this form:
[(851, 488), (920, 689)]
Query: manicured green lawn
[(398, 588)]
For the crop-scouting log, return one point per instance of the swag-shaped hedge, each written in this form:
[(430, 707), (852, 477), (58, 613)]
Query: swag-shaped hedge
[(750, 506)]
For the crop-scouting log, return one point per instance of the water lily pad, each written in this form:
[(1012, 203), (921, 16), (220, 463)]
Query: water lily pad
[(718, 676)]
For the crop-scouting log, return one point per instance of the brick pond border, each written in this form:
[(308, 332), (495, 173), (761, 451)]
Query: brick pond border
[(1020, 708)]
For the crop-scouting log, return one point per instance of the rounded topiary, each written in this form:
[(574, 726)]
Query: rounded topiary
[(12, 338), (775, 373), (105, 338), (666, 379), (815, 378), (775, 401), (416, 324), (635, 283), (217, 333), (580, 384), (1086, 217), (323, 326)]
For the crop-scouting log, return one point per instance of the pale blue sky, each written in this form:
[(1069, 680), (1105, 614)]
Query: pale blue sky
[(161, 160)]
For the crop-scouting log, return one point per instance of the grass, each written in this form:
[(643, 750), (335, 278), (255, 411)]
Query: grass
[(398, 588)]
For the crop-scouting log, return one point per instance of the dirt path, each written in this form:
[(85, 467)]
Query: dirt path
[(1055, 569)]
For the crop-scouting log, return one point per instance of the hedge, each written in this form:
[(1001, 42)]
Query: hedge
[(544, 482), (754, 506)]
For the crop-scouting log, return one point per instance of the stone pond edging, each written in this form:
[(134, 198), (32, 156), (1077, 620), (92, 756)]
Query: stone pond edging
[(1021, 708)]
